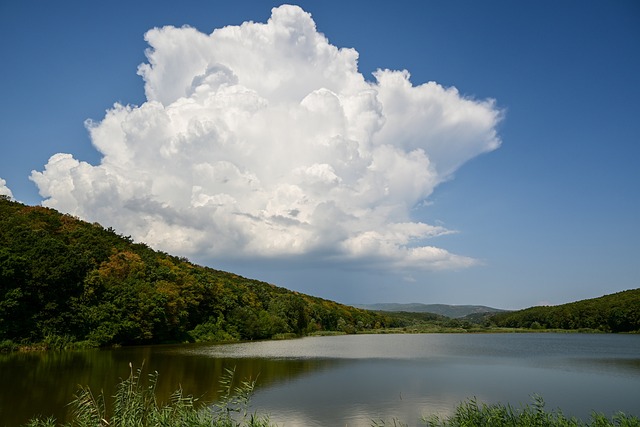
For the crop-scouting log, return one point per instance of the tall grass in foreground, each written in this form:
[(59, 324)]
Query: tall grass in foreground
[(472, 414), (135, 405)]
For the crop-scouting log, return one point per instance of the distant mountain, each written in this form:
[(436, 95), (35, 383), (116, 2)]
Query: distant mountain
[(452, 311)]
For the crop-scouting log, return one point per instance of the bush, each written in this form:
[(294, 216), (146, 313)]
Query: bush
[(7, 346)]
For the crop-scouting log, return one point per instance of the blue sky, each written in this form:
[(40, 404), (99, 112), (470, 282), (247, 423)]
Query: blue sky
[(550, 216)]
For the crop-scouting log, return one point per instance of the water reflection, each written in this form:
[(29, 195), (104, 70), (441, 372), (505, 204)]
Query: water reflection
[(44, 383), (407, 390), (350, 380)]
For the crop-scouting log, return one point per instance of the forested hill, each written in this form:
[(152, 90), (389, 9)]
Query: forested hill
[(66, 280), (619, 312)]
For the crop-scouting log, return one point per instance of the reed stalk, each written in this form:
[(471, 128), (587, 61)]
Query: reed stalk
[(135, 405)]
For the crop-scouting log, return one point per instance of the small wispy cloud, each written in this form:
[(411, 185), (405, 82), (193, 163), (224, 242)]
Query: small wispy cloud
[(264, 140)]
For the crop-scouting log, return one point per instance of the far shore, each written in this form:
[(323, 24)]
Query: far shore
[(10, 347)]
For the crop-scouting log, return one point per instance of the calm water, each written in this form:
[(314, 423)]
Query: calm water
[(352, 380)]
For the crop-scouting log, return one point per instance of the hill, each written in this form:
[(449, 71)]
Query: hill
[(619, 312), (63, 280), (452, 311)]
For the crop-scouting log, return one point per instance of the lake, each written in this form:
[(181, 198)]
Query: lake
[(351, 380)]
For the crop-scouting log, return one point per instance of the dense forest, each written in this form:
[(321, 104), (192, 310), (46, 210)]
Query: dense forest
[(66, 281), (619, 312), (63, 280)]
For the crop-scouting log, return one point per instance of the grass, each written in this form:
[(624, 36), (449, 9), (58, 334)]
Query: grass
[(473, 414), (135, 405)]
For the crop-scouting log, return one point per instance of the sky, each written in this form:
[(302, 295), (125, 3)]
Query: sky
[(455, 152)]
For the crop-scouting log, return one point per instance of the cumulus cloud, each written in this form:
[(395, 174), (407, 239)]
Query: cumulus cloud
[(4, 190), (264, 140)]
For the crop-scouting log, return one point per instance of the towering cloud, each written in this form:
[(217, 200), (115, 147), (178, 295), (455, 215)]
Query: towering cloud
[(264, 140)]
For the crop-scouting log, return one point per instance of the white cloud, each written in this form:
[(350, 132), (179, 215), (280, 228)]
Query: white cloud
[(264, 140), (4, 190)]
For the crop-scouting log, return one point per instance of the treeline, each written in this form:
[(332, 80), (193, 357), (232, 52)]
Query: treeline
[(63, 281), (619, 312)]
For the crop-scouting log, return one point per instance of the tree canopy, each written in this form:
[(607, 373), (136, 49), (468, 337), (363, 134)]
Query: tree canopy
[(619, 312), (63, 278)]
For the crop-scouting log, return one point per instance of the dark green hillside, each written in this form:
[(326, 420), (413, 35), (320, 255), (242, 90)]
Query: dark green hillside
[(63, 280), (619, 312)]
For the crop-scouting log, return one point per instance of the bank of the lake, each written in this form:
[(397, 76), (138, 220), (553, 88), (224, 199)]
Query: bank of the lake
[(350, 379), (452, 326), (66, 282)]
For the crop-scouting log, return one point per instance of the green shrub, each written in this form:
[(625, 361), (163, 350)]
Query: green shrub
[(7, 346)]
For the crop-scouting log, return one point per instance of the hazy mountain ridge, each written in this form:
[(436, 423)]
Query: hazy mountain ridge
[(452, 311)]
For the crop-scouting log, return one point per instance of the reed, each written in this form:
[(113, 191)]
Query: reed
[(473, 414), (135, 405)]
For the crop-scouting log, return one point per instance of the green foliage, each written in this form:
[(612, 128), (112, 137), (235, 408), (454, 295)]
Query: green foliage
[(619, 312), (472, 414), (64, 281), (214, 330), (8, 346), (422, 322), (135, 405)]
